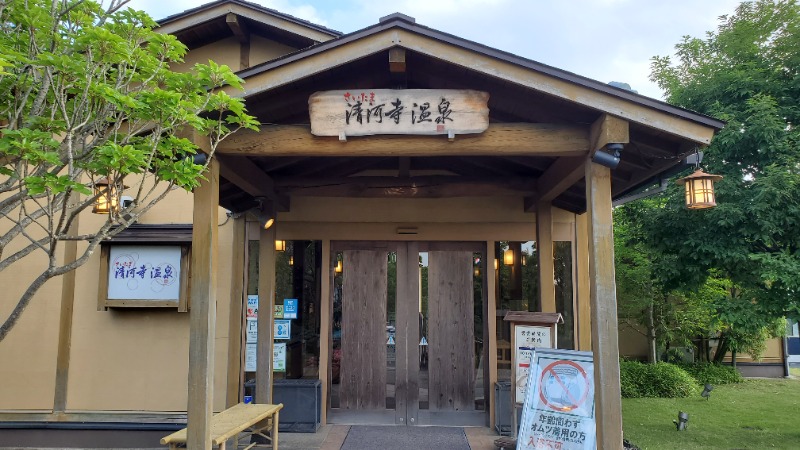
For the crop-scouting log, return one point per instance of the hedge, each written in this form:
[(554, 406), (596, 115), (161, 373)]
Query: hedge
[(713, 373), (661, 379)]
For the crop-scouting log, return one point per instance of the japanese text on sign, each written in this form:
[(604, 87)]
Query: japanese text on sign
[(144, 272), (559, 403), (403, 111)]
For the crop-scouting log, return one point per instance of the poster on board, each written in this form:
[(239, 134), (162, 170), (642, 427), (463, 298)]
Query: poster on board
[(558, 412), (278, 357), (252, 306), (526, 338)]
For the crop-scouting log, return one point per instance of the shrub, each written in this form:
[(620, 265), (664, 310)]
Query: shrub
[(662, 380), (713, 373)]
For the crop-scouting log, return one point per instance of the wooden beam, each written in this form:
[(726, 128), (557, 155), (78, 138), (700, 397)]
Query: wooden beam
[(248, 177), (236, 317), (401, 189), (498, 140), (241, 31), (544, 251), (65, 319), (202, 315), (605, 338), (397, 60), (608, 130), (559, 177), (266, 303)]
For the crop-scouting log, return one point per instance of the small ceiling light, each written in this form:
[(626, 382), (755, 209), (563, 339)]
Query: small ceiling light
[(508, 257), (700, 189), (707, 391), (106, 196), (267, 222), (683, 421), (280, 246)]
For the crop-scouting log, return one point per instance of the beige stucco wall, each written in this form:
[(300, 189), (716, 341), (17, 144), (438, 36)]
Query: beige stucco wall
[(121, 360), (227, 52)]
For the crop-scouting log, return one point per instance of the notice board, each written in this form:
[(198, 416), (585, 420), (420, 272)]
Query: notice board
[(558, 412)]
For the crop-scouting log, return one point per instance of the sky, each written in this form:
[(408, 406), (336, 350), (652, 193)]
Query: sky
[(606, 40)]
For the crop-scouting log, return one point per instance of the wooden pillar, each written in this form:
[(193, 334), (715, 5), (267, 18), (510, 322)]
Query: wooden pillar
[(203, 312), (605, 340), (236, 318), (65, 321), (490, 316), (266, 305), (584, 310), (407, 356), (544, 247), (325, 316)]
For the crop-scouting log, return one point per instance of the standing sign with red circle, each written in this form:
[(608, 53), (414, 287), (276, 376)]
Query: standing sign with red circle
[(564, 386)]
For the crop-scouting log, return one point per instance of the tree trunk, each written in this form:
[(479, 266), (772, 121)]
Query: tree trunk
[(652, 356), (722, 349)]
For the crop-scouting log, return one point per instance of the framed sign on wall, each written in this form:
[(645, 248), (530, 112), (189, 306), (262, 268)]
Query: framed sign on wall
[(144, 276)]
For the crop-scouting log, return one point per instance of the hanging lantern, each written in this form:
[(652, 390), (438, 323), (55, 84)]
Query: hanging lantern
[(107, 196), (280, 246), (508, 257), (700, 189)]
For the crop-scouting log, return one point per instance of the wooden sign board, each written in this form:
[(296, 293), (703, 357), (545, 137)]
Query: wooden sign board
[(144, 272), (398, 111)]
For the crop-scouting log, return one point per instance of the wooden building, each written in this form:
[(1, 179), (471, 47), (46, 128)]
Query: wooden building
[(384, 239)]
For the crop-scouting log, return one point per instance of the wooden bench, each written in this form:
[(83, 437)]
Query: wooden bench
[(253, 419)]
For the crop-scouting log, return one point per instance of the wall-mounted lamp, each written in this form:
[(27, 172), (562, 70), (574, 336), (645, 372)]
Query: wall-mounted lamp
[(508, 257), (524, 259), (608, 159), (338, 268), (496, 264), (107, 196), (280, 246), (700, 189), (291, 260), (477, 272)]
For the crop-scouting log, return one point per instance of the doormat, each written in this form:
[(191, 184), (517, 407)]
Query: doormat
[(364, 437)]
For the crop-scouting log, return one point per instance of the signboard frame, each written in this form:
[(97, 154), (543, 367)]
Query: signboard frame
[(560, 397)]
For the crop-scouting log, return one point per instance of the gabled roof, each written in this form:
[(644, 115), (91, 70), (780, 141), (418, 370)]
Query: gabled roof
[(390, 32), (209, 12)]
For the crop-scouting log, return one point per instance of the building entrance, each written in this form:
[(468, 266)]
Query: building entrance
[(407, 333)]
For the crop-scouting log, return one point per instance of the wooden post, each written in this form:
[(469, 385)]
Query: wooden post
[(325, 316), (544, 247), (407, 311), (266, 305), (490, 286), (202, 315), (65, 320), (235, 321), (584, 312), (605, 340)]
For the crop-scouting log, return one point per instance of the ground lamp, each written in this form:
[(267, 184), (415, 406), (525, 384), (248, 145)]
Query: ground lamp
[(707, 391), (106, 196), (683, 421), (700, 189)]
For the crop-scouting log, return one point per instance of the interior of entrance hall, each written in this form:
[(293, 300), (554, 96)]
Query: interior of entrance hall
[(408, 322)]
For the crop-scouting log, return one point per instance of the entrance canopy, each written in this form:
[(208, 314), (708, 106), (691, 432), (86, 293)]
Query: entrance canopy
[(544, 124)]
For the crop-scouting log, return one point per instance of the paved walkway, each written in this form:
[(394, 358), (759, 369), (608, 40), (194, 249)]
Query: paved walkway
[(345, 437)]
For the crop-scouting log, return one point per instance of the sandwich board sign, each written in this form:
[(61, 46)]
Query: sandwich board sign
[(558, 413)]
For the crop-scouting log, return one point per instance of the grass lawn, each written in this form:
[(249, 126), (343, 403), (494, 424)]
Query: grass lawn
[(756, 414)]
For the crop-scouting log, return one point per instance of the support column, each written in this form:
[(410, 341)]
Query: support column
[(236, 318), (603, 296), (65, 321), (544, 251), (266, 323), (325, 317), (203, 312), (584, 310), (490, 316)]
